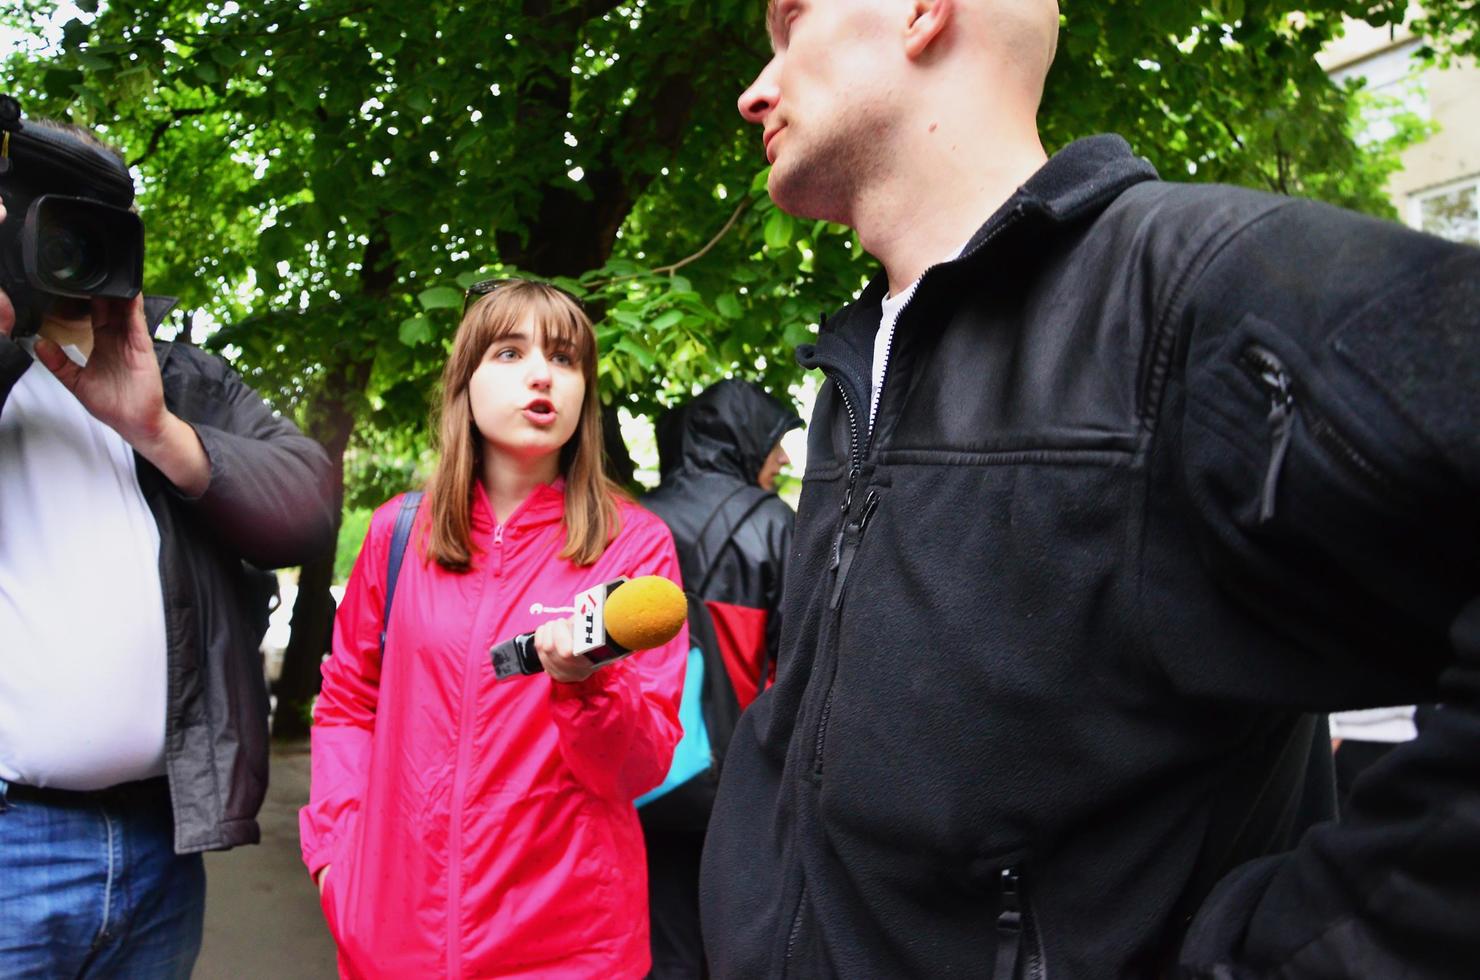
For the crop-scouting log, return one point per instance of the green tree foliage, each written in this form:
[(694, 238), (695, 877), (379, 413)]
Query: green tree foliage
[(322, 178)]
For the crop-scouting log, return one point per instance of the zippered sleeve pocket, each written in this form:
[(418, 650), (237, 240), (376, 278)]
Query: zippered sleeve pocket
[(1265, 403), (1314, 498)]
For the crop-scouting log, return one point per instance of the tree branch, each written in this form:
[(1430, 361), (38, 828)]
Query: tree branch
[(1273, 183), (688, 259), (161, 129)]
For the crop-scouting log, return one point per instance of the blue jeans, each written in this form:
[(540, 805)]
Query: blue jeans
[(90, 885)]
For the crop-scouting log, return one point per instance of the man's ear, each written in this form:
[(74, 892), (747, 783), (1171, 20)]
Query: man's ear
[(927, 19)]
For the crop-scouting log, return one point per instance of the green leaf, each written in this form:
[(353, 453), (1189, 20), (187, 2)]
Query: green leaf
[(798, 333), (58, 82), (779, 228), (572, 286), (74, 32), (415, 330), (728, 307), (440, 298), (642, 354), (92, 61), (667, 321)]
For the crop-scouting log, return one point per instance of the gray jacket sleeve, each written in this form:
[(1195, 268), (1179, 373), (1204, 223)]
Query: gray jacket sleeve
[(270, 499)]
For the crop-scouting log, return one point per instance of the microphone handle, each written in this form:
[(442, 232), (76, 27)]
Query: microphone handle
[(516, 657)]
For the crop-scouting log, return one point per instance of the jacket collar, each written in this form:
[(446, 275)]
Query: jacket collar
[(1077, 182), (156, 308), (545, 505), (1083, 178)]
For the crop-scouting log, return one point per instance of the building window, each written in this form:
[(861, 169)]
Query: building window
[(1452, 212)]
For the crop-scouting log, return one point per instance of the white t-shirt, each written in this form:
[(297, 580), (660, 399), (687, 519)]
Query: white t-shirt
[(82, 639), (884, 338), (1375, 724)]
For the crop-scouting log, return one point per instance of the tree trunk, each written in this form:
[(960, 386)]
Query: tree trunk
[(313, 624), (330, 419), (331, 422)]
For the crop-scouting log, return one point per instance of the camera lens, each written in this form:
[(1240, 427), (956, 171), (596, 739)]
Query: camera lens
[(72, 259)]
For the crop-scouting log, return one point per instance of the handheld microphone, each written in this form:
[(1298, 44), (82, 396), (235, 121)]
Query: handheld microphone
[(612, 620)]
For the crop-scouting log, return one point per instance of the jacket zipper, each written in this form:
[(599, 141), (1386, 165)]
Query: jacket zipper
[(850, 535), (873, 412), (846, 543), (460, 774), (1269, 371), (843, 546), (1017, 933)]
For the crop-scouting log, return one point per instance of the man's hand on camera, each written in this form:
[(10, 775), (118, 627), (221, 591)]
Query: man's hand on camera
[(7, 311), (120, 385)]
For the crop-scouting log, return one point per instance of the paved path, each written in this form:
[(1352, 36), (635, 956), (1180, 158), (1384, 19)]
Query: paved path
[(262, 912)]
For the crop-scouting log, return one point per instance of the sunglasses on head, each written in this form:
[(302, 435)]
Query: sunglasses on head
[(483, 287)]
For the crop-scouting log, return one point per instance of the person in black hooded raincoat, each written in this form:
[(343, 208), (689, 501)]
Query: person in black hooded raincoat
[(719, 458)]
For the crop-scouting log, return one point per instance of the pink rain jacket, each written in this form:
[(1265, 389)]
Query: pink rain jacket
[(476, 828)]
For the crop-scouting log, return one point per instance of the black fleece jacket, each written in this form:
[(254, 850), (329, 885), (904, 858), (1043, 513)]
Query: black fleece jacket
[(1160, 474)]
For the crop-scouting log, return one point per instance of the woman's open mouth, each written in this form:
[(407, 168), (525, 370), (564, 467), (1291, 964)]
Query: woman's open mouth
[(541, 411)]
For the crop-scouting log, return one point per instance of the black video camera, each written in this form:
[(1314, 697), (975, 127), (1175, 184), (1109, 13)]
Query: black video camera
[(68, 232)]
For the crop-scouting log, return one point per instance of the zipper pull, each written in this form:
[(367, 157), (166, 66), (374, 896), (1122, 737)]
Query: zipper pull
[(1281, 429), (870, 504), (848, 492), (846, 545), (837, 548), (1009, 926)]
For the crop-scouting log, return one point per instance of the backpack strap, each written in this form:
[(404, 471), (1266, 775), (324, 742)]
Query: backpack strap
[(711, 557), (712, 563), (405, 518), (702, 538)]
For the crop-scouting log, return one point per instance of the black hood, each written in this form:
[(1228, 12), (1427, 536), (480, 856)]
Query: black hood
[(731, 427)]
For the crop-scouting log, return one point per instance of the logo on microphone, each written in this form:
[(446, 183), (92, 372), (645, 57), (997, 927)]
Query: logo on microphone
[(539, 609), (587, 611)]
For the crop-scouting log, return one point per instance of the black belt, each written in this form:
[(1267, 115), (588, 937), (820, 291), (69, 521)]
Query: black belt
[(119, 795)]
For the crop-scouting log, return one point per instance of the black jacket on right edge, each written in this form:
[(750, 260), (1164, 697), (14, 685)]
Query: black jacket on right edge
[(1160, 472)]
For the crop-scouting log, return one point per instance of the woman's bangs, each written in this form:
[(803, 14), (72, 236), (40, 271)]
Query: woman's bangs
[(565, 329), (560, 324)]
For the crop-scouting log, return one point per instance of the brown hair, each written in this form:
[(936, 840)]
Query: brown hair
[(592, 519)]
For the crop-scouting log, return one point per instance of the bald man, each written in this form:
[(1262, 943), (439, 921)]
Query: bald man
[(1115, 488)]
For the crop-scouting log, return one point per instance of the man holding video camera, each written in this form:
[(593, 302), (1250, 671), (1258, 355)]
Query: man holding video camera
[(137, 477)]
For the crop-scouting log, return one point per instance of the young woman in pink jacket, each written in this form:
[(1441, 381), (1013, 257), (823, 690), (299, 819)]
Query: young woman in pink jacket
[(461, 827)]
